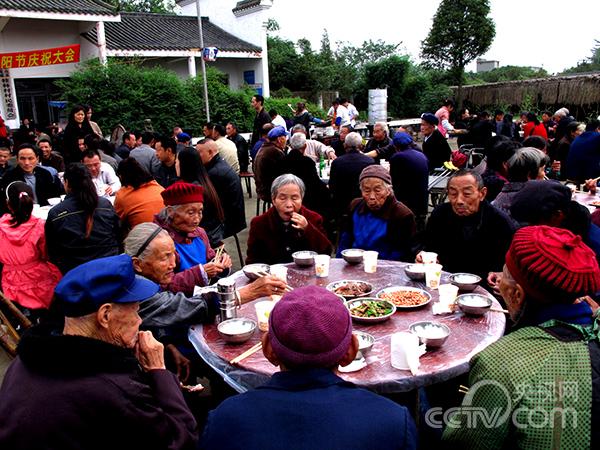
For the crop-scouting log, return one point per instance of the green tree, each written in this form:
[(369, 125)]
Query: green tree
[(460, 32), (390, 73), (512, 73), (591, 64), (151, 6)]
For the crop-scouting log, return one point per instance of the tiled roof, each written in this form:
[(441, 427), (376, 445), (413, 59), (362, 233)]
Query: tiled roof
[(91, 7), (145, 31), (244, 4)]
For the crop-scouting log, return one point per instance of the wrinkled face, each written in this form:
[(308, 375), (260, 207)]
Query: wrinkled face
[(124, 324), (186, 218), (93, 165), (163, 155), (426, 128), (288, 200), (230, 130), (464, 195), (79, 116), (374, 192), (4, 156), (378, 133), (45, 148), (81, 145), (159, 266), (27, 160), (344, 132)]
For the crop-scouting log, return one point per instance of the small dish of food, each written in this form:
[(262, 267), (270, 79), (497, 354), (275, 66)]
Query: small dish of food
[(365, 341), (370, 310), (405, 297), (465, 281), (236, 331), (415, 272), (353, 255), (304, 258), (474, 304), (432, 334), (350, 288), (252, 271)]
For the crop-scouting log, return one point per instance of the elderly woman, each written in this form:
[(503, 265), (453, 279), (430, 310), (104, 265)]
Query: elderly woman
[(287, 226), (377, 221), (181, 218), (526, 164), (539, 382)]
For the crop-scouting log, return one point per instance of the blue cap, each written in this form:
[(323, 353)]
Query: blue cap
[(104, 280), (430, 118), (183, 136), (276, 132), (402, 139)]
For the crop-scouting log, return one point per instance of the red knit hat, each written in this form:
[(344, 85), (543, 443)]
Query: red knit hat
[(181, 193), (310, 327), (552, 264)]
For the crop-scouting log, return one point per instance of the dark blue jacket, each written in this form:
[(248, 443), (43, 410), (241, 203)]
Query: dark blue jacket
[(343, 178), (410, 179), (312, 409), (583, 159)]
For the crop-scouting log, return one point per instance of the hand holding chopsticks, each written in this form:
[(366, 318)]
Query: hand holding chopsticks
[(219, 253), (287, 288), (247, 353)]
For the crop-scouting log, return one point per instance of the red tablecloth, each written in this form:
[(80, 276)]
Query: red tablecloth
[(469, 335)]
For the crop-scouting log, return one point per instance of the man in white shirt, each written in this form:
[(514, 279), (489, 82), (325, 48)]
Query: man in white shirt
[(277, 120), (106, 181), (227, 149), (339, 114), (352, 111), (314, 149)]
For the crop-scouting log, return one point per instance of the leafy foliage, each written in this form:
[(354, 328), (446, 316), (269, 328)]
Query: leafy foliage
[(508, 73), (591, 64), (150, 6)]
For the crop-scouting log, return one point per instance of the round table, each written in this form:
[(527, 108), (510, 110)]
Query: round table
[(468, 336)]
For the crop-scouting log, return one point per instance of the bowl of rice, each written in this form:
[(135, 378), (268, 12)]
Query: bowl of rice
[(474, 304), (432, 334), (236, 331)]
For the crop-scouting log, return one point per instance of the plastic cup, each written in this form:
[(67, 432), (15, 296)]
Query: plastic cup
[(429, 257), (370, 261), (263, 311), (322, 266), (279, 271), (433, 273), (401, 343), (447, 293)]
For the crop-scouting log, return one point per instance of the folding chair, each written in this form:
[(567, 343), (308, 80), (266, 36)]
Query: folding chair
[(11, 320)]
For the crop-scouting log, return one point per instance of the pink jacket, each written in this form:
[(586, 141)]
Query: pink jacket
[(27, 277), (442, 114)]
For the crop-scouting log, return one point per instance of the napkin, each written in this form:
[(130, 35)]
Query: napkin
[(442, 308), (413, 353)]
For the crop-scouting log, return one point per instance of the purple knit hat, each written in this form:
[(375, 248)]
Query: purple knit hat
[(310, 327)]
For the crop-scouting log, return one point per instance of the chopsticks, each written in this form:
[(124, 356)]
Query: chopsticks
[(247, 353), (218, 253), (287, 288), (500, 310)]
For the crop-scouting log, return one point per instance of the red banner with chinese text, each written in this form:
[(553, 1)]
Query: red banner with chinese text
[(36, 58)]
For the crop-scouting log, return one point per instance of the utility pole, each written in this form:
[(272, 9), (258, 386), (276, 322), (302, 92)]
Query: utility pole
[(202, 64)]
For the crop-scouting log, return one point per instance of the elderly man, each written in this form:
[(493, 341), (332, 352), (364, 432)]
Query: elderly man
[(317, 196), (378, 221), (263, 138), (310, 334), (101, 383), (241, 145), (468, 233), (540, 381), (435, 146), (380, 137), (227, 184), (103, 176), (269, 162), (154, 257), (345, 170), (314, 149), (226, 148), (286, 227)]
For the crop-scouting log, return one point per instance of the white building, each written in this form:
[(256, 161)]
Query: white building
[(484, 65), (234, 28)]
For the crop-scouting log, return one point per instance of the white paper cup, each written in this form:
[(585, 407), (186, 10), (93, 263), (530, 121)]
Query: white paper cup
[(429, 257), (433, 273), (322, 266), (279, 271), (370, 261), (263, 311), (447, 293), (401, 343)]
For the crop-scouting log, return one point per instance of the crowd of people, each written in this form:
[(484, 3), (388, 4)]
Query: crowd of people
[(134, 243)]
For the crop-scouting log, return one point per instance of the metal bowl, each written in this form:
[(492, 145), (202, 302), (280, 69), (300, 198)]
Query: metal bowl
[(430, 342), (369, 320), (304, 258), (251, 270), (236, 331), (465, 281), (392, 289), (415, 272), (474, 304), (365, 341), (338, 284), (353, 255)]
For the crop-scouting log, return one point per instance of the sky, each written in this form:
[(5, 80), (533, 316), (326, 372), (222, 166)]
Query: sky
[(552, 34)]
